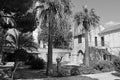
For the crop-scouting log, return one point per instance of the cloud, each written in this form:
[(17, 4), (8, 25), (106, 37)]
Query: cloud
[(111, 23)]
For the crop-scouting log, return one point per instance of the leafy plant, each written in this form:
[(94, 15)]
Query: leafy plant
[(37, 63), (116, 63), (86, 69), (104, 66), (63, 72), (75, 71), (20, 55)]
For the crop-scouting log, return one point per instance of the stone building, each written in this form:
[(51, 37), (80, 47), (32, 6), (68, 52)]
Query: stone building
[(95, 42), (111, 37)]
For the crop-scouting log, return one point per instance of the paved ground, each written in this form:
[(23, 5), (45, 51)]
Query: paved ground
[(99, 76), (104, 76)]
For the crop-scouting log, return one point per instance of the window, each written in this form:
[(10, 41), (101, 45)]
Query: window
[(96, 41), (80, 39), (102, 41)]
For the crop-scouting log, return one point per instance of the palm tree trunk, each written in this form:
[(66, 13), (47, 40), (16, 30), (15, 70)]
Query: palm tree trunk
[(2, 46), (14, 69), (49, 56), (87, 55)]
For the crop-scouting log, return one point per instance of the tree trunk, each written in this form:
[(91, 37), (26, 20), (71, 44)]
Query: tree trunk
[(14, 70), (49, 55), (87, 55), (2, 46)]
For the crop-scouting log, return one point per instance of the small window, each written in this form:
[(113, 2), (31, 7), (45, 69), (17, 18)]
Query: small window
[(102, 41), (96, 41), (80, 39)]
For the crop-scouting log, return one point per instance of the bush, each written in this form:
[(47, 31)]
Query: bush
[(37, 63), (86, 70), (20, 55), (116, 63), (75, 71), (63, 72), (104, 66)]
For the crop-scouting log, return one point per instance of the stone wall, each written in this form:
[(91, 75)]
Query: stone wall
[(56, 53)]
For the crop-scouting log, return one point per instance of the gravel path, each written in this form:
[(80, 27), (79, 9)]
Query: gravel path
[(104, 76)]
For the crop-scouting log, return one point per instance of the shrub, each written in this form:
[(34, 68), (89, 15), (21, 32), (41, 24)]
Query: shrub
[(116, 63), (20, 55), (37, 63), (75, 71), (104, 66), (30, 59), (86, 70), (63, 72)]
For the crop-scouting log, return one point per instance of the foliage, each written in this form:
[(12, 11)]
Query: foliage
[(87, 18), (26, 23), (60, 25), (20, 55), (116, 63), (20, 6), (11, 10), (75, 71), (37, 63), (50, 14), (104, 66), (87, 15), (62, 42), (20, 40), (86, 69), (5, 74), (63, 72)]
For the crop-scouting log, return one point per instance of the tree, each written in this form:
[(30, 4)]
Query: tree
[(87, 18), (52, 11), (21, 42), (61, 38), (16, 14)]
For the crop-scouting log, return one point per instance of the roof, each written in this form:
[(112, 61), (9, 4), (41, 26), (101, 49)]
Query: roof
[(109, 30)]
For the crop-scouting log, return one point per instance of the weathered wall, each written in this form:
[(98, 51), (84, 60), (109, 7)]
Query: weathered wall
[(112, 42), (56, 53)]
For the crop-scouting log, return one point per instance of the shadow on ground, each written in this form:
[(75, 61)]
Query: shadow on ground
[(29, 74), (116, 74)]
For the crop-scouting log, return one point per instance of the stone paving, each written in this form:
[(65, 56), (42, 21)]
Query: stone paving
[(99, 76), (104, 76)]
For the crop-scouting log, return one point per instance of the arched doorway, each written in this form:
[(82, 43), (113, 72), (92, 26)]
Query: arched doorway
[(80, 56)]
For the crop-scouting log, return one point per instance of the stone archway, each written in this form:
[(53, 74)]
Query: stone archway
[(80, 56)]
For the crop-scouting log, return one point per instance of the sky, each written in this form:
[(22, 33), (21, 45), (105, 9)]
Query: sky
[(108, 10)]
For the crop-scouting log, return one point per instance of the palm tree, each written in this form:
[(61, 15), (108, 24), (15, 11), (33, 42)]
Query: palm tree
[(87, 18), (6, 22), (21, 42), (51, 13)]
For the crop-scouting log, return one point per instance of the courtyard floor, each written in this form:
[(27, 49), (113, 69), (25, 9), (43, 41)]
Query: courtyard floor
[(113, 75)]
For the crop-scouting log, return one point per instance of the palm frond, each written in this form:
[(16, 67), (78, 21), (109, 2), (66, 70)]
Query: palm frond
[(13, 38), (6, 20), (87, 15), (79, 17), (11, 43)]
